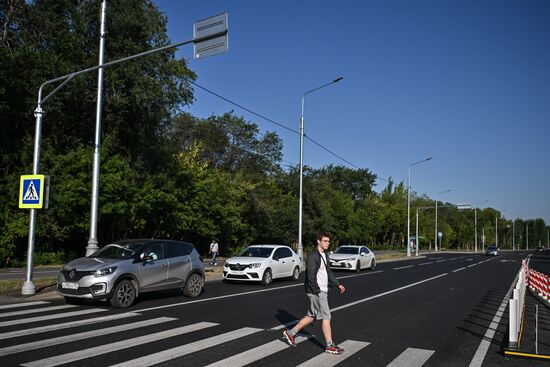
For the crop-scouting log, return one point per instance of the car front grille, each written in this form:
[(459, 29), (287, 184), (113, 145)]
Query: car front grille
[(238, 267), (233, 276), (75, 276)]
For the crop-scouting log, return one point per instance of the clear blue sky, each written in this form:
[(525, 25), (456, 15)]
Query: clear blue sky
[(466, 82)]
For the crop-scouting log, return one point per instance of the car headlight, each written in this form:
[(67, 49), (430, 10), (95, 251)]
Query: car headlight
[(105, 271), (225, 265), (255, 265)]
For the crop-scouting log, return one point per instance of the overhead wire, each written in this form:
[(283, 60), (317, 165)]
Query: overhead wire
[(277, 123)]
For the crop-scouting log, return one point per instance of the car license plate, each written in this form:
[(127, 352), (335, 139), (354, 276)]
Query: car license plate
[(69, 285), (237, 272)]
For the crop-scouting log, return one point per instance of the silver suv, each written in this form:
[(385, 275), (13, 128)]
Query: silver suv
[(119, 272)]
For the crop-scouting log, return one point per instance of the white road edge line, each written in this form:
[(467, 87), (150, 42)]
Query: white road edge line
[(459, 269), (483, 348)]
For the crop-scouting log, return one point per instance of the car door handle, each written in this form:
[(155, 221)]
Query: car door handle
[(164, 265)]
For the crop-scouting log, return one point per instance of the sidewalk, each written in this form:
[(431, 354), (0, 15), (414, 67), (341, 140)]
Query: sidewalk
[(534, 338)]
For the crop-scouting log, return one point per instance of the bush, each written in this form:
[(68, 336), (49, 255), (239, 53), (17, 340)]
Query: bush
[(49, 258)]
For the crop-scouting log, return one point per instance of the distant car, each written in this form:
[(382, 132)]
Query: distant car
[(492, 251), (540, 248), (352, 258), (122, 270), (263, 263)]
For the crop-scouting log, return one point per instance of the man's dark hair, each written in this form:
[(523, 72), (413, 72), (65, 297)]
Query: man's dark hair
[(320, 235)]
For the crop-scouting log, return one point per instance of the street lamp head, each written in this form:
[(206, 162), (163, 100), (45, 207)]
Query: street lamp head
[(428, 158), (337, 80)]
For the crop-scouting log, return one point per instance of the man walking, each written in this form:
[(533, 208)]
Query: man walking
[(214, 248), (318, 278)]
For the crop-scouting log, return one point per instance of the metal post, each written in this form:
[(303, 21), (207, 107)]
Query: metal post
[(435, 225), (409, 213), (28, 286), (526, 235), (409, 205), (299, 246), (416, 232), (475, 228), (483, 238), (92, 241), (514, 234), (536, 329), (496, 230)]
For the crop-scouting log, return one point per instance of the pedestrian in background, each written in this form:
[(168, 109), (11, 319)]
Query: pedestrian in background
[(318, 278), (214, 249)]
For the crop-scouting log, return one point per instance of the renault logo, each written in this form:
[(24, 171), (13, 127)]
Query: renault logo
[(72, 274)]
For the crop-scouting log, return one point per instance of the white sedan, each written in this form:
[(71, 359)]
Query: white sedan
[(352, 258), (263, 263)]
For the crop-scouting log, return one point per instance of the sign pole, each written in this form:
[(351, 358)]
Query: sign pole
[(28, 287)]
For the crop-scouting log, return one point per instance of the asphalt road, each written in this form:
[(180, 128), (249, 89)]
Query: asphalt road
[(442, 310)]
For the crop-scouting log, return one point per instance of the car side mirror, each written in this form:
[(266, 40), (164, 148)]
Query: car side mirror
[(146, 258), (331, 252), (363, 254)]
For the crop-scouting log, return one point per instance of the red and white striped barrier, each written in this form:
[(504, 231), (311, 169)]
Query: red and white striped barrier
[(539, 284)]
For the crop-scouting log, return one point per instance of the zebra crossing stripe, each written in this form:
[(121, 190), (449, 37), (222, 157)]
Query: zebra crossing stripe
[(186, 349), (35, 310), (257, 353), (52, 317), (25, 304), (411, 357), (65, 325), (117, 346), (80, 336), (326, 360)]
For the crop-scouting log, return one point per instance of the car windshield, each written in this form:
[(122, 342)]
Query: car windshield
[(347, 250), (257, 252), (118, 251), (492, 248)]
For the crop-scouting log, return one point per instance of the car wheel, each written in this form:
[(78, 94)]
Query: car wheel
[(124, 294), (296, 273), (372, 264), (267, 278), (358, 266), (193, 287), (74, 300)]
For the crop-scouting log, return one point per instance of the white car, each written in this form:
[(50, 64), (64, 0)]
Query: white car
[(263, 263), (352, 258)]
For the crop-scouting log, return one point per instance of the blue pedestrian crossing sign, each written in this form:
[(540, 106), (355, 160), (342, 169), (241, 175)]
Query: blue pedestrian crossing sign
[(31, 192)]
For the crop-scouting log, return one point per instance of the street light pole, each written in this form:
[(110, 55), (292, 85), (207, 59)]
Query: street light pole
[(416, 233), (442, 192), (409, 205), (526, 235), (475, 221), (514, 234), (92, 240), (300, 247), (496, 230)]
